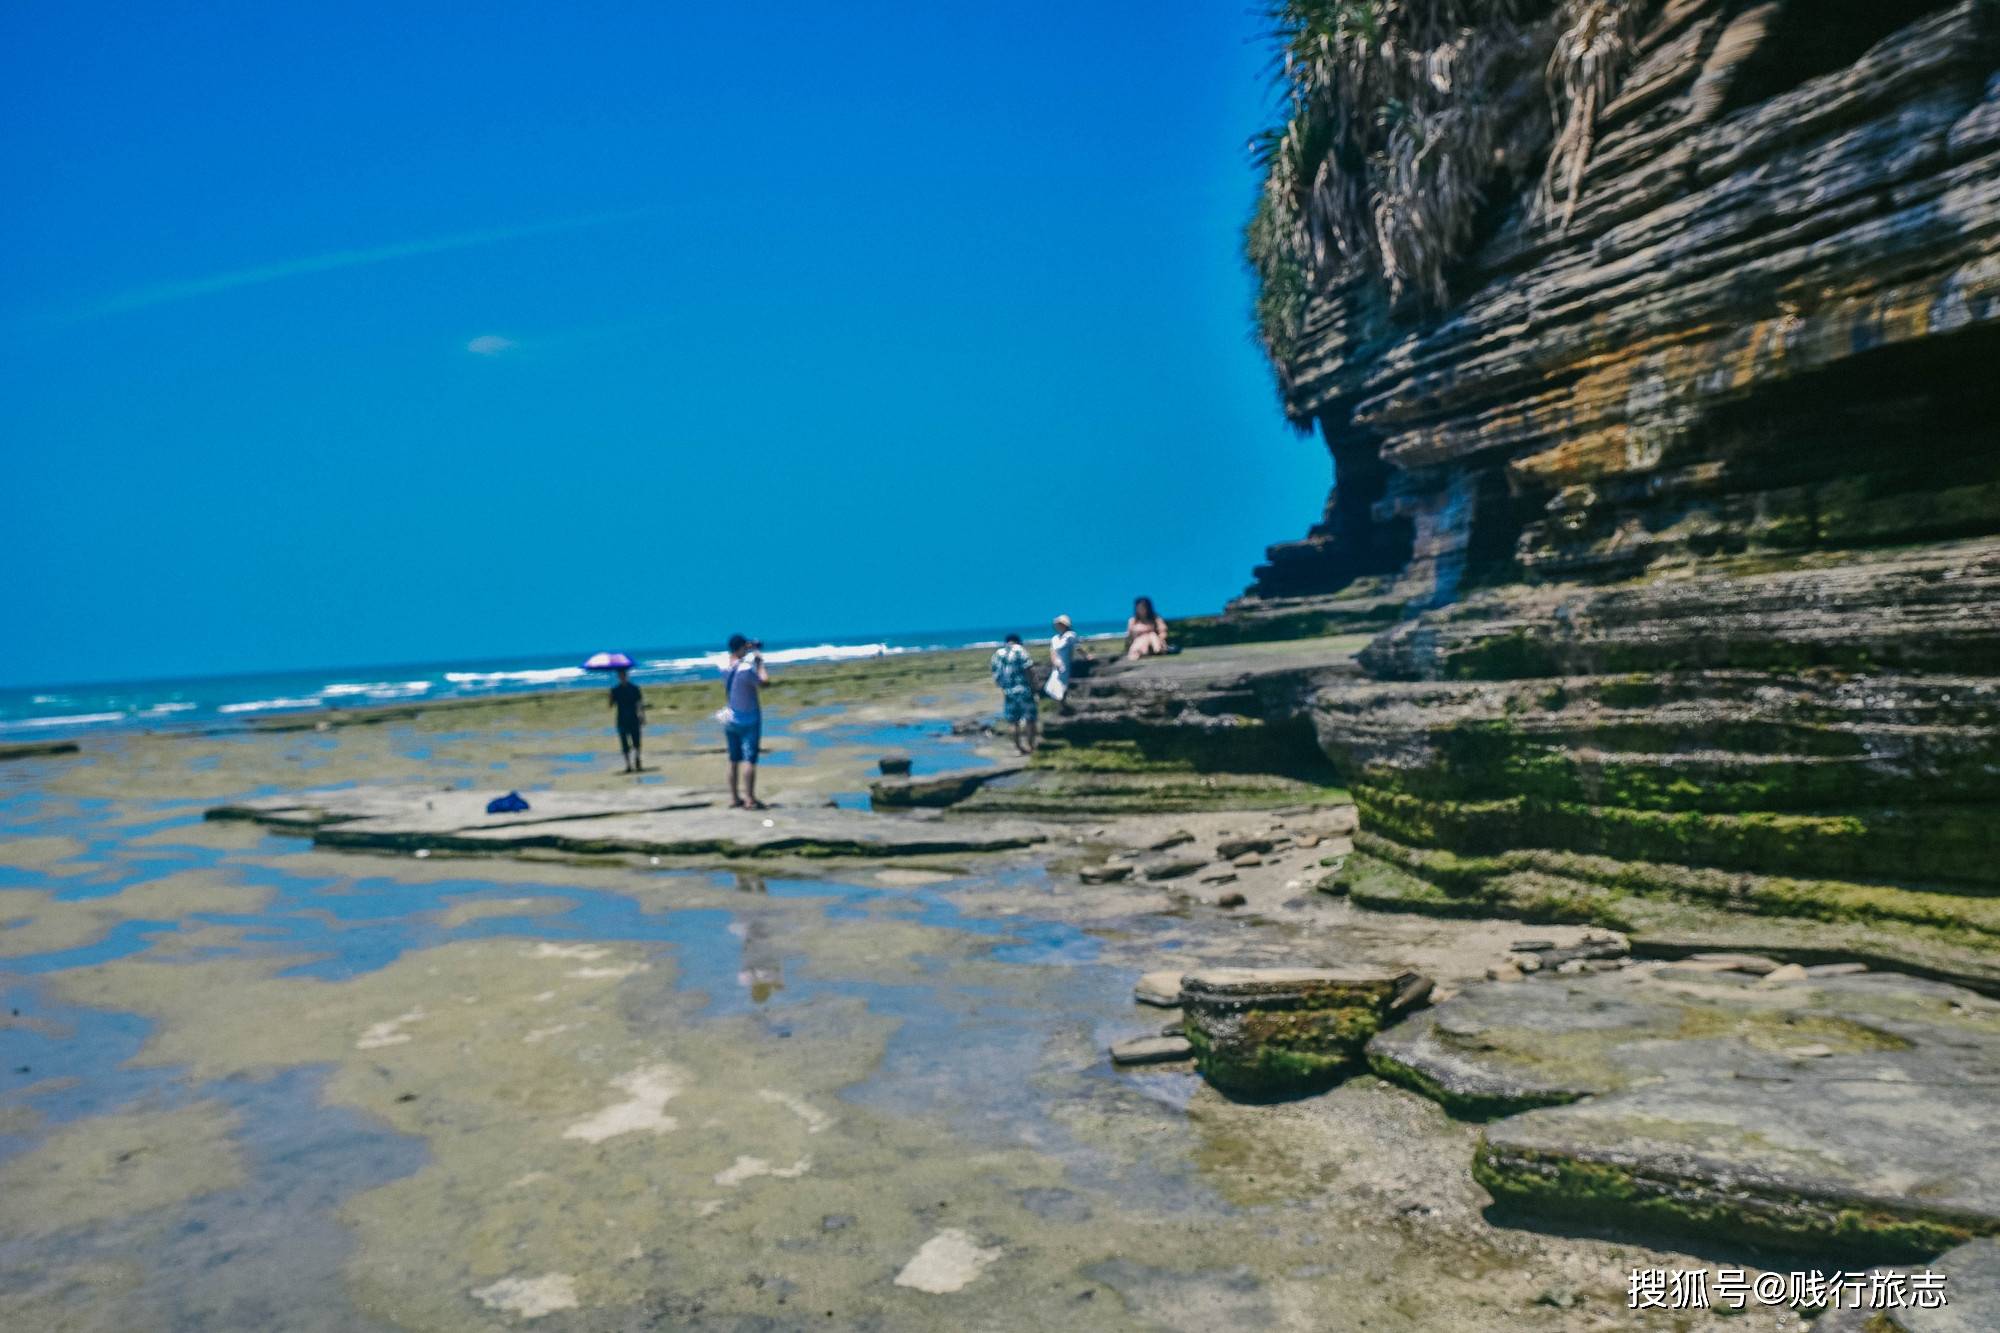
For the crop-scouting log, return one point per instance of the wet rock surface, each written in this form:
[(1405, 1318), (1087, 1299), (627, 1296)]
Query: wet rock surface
[(935, 789), (1971, 1293), (1841, 1112), (1151, 1050)]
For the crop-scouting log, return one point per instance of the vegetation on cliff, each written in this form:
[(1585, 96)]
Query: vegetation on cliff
[(1404, 120)]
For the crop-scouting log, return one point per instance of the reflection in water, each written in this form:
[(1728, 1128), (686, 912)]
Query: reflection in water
[(762, 971)]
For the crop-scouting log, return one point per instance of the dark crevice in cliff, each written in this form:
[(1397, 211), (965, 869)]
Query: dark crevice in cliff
[(1893, 445), (1349, 541), (1817, 37)]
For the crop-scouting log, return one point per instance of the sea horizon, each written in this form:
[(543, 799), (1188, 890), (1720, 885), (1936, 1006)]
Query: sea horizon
[(67, 710)]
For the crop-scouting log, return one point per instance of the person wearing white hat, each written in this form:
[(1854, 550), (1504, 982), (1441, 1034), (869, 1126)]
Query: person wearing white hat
[(1063, 652)]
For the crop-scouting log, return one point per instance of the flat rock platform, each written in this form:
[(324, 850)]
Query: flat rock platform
[(657, 821)]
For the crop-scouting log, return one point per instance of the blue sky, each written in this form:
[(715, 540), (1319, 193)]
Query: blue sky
[(339, 336)]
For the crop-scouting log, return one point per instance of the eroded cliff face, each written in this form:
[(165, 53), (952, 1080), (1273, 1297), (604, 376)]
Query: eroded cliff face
[(1692, 505)]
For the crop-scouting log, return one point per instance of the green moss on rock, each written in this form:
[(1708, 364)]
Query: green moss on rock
[(1603, 1194)]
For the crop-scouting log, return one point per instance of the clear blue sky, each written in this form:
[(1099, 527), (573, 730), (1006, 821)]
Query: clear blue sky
[(362, 334)]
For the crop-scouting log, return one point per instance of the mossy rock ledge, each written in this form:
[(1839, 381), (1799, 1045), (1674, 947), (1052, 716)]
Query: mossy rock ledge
[(1839, 1115), (1280, 1032)]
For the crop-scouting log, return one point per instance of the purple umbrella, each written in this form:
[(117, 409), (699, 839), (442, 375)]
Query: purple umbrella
[(607, 662)]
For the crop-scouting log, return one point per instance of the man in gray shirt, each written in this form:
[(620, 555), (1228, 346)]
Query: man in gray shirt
[(743, 681)]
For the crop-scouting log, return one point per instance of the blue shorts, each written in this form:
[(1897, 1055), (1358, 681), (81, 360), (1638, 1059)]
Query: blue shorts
[(744, 738), (1018, 705)]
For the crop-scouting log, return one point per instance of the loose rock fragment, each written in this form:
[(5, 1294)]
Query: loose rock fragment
[(948, 1262), (530, 1297), (1159, 988), (1104, 874), (1755, 964)]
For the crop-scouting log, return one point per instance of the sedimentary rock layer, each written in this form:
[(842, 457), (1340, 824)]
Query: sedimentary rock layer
[(1700, 490)]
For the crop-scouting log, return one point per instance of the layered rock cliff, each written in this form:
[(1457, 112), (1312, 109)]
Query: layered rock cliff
[(1690, 499)]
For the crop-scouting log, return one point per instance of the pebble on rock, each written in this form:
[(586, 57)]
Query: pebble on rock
[(1755, 964), (1151, 1050)]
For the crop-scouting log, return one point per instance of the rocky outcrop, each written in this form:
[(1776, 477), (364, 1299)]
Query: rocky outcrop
[(1760, 328), (1696, 495), (1272, 1032), (1840, 1113), (36, 749)]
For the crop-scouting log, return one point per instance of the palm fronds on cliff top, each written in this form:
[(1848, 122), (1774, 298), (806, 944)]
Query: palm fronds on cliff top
[(1401, 116)]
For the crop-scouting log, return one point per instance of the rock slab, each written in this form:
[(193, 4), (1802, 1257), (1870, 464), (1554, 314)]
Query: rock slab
[(1843, 1114), (1274, 1032)]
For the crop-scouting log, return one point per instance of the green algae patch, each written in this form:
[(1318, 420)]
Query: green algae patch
[(1278, 1032), (1543, 885), (1106, 793), (110, 1167), (1937, 843), (39, 923), (44, 853), (1289, 1059)]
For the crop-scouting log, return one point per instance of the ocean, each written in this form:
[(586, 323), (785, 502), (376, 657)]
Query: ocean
[(67, 711)]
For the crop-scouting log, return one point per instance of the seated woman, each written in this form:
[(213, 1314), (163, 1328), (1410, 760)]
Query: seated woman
[(1145, 632)]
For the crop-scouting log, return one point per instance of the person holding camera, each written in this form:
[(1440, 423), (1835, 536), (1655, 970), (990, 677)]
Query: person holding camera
[(743, 718)]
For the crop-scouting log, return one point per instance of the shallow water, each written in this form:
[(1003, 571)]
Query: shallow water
[(244, 1083)]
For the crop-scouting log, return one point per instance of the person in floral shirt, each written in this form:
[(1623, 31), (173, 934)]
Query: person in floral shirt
[(1014, 673)]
